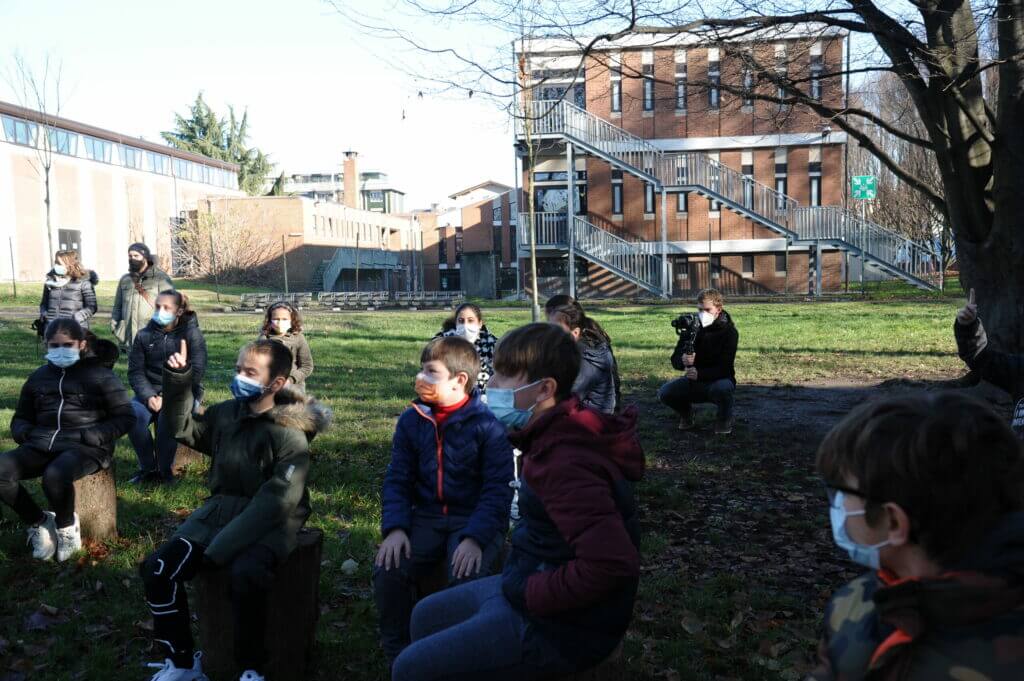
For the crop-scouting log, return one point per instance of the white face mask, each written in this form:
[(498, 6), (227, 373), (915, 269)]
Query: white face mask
[(706, 318), (468, 331), (282, 325)]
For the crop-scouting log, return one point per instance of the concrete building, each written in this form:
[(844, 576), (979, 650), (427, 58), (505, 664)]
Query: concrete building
[(470, 245), (326, 246), (678, 183), (373, 190), (107, 190)]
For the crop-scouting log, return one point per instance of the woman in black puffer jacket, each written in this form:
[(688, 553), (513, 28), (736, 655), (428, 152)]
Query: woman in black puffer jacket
[(69, 291), (172, 323), (598, 381), (69, 415)]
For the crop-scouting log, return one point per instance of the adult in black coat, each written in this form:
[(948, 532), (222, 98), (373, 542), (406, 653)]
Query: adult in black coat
[(70, 413), (597, 383), (710, 374), (69, 291), (172, 323)]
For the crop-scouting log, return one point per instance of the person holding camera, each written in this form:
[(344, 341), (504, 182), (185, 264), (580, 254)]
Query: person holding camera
[(706, 352)]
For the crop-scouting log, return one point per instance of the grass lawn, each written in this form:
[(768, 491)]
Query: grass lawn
[(203, 295), (737, 555)]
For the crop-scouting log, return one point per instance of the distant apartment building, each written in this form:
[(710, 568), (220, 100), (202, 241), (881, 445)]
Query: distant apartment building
[(107, 190), (373, 190), (470, 245), (681, 178)]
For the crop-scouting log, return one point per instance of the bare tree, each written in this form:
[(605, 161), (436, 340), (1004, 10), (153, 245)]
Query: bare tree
[(41, 89), (969, 100), (223, 245)]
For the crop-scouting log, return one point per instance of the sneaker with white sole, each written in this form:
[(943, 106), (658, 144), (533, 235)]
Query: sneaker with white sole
[(43, 537), (69, 540), (168, 672), (250, 675)]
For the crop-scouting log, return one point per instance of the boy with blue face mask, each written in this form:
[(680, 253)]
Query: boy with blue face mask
[(928, 493), (446, 494), (259, 448)]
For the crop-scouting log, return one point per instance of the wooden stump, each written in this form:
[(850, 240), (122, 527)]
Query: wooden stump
[(183, 458), (609, 670), (96, 505), (293, 609)]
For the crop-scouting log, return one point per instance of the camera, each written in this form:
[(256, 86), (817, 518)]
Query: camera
[(687, 326)]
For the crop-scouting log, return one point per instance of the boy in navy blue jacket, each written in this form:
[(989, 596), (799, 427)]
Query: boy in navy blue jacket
[(446, 493)]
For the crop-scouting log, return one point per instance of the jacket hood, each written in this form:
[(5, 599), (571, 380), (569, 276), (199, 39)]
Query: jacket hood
[(105, 352), (613, 436), (295, 409), (596, 352), (724, 321)]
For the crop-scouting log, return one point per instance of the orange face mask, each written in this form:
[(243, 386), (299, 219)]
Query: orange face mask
[(426, 389)]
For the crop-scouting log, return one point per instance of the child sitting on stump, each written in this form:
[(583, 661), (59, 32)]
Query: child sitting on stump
[(446, 493), (259, 446)]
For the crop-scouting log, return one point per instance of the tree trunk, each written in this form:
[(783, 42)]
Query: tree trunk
[(49, 229)]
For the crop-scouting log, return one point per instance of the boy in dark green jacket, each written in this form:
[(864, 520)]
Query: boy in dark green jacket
[(259, 446)]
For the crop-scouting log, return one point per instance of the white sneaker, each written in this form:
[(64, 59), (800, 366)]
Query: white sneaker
[(69, 540), (43, 538), (168, 672), (250, 675)]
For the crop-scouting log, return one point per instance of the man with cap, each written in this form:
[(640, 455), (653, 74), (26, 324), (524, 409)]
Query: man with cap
[(136, 294)]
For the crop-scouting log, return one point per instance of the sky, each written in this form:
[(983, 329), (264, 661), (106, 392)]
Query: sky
[(313, 86)]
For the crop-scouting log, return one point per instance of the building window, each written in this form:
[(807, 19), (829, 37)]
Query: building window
[(716, 266), (458, 245), (616, 197), (131, 158), (579, 94), (183, 169), (648, 198), (681, 80), (715, 180), (817, 68), (681, 267), (780, 263), (496, 215), (648, 70), (714, 80), (683, 202), (512, 243), (815, 190), (748, 265), (747, 161), (781, 185), (69, 240), (442, 246), (98, 150), (617, 86), (19, 132), (781, 70), (748, 87), (814, 172), (497, 244), (451, 280), (64, 142), (159, 163)]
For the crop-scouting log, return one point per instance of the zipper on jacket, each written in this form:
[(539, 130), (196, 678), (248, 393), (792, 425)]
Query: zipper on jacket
[(440, 460), (60, 408)]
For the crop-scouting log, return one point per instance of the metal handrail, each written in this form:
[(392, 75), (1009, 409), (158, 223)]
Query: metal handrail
[(637, 260)]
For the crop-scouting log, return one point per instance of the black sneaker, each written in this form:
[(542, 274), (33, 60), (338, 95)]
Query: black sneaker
[(142, 477), (686, 421), (723, 427)]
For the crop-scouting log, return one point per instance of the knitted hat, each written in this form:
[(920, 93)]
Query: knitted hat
[(143, 250)]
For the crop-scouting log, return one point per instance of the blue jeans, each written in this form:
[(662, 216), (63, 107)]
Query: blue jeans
[(432, 539), (682, 392), (471, 631), (142, 440)]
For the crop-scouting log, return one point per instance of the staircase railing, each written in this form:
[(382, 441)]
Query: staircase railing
[(635, 260), (552, 229)]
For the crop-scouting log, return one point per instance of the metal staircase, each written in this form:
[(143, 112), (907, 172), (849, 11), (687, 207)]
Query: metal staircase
[(696, 172)]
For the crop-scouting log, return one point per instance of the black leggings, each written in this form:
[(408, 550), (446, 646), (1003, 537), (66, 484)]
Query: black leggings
[(164, 574), (59, 470)]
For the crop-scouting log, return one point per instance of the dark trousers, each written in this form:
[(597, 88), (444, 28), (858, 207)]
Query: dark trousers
[(682, 392), (164, 574), (164, 446), (59, 470), (433, 539)]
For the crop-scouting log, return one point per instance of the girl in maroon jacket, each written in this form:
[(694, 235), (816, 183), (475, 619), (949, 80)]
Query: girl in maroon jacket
[(566, 596)]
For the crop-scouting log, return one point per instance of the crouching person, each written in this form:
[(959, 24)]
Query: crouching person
[(566, 596), (928, 493), (446, 494), (259, 446), (70, 413)]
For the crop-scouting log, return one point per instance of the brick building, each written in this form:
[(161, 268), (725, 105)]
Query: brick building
[(681, 179)]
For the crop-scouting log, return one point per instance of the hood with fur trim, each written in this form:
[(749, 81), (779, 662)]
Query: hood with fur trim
[(295, 409)]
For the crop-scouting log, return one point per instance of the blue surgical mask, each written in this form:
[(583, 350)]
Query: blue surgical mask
[(246, 389), (868, 556), (502, 403), (163, 317), (60, 270), (62, 357)]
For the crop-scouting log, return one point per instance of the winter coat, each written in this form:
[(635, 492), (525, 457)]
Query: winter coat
[(134, 303), (84, 407), (462, 468), (715, 350), (597, 383), (302, 358), (258, 468), (575, 561), (69, 298), (154, 345), (965, 624), (1001, 369), (485, 344)]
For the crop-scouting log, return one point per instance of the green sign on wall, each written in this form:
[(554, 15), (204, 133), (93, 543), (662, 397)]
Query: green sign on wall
[(863, 187)]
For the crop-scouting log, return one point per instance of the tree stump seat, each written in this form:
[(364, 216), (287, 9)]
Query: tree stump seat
[(184, 457), (96, 505), (294, 608)]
